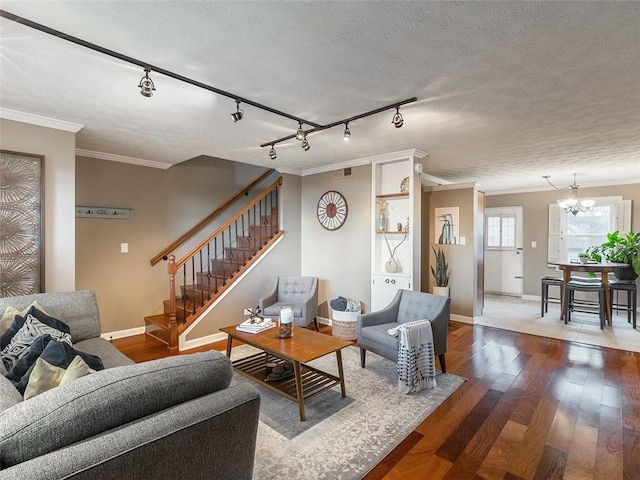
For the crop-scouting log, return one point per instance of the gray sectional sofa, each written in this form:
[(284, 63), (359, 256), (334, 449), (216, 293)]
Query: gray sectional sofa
[(166, 419)]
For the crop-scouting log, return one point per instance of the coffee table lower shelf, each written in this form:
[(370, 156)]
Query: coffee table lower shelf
[(313, 381)]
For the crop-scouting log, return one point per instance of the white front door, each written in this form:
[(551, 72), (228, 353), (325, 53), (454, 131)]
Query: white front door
[(504, 253)]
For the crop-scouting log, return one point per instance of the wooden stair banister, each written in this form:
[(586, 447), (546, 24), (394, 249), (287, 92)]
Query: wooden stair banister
[(212, 267), (205, 221), (225, 225)]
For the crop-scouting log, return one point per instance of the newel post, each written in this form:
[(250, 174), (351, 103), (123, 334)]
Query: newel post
[(173, 324)]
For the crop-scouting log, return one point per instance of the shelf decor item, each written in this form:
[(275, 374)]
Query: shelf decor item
[(285, 322), (392, 265), (440, 273), (382, 216)]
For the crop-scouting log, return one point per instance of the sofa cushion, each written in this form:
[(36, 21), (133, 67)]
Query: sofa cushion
[(105, 400), (22, 340), (78, 309)]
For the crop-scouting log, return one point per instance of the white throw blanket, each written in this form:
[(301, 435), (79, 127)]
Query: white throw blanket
[(416, 359)]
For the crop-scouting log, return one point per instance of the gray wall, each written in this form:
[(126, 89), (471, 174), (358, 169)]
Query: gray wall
[(536, 227)]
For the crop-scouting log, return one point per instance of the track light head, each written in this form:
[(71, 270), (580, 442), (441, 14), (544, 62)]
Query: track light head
[(305, 144), (146, 85), (347, 133), (300, 132), (272, 153), (397, 121), (238, 114)]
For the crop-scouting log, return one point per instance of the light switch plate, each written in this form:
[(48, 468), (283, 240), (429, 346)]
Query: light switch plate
[(124, 248)]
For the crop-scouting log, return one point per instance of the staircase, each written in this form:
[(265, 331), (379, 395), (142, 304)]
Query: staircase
[(203, 275)]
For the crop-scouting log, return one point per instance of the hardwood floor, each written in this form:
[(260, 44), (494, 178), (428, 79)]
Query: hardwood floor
[(532, 408)]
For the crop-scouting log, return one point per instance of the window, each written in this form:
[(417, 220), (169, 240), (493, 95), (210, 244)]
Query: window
[(501, 231), (570, 235), (589, 228)]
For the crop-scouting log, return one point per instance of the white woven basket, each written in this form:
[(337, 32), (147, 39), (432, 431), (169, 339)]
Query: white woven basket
[(344, 325)]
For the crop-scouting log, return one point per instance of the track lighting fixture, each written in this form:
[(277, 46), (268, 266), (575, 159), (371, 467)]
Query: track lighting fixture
[(397, 121), (272, 153), (147, 88), (146, 85), (238, 114), (305, 144), (347, 133)]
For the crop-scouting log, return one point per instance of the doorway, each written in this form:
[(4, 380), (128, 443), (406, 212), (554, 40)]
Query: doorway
[(504, 252)]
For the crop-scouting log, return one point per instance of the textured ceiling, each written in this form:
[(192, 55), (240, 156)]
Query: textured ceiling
[(507, 91)]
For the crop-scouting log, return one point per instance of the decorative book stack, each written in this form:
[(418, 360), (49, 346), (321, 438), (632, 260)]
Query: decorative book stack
[(256, 325)]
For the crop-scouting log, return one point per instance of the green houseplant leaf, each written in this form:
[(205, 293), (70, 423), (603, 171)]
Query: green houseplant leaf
[(619, 249), (441, 271)]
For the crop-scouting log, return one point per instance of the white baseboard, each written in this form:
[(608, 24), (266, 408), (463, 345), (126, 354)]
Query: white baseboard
[(199, 342), (123, 333), (463, 319), (324, 321)]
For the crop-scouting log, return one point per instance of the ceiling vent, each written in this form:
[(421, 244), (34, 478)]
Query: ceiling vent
[(343, 173)]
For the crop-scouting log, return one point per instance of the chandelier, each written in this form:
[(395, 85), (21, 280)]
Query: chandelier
[(572, 204)]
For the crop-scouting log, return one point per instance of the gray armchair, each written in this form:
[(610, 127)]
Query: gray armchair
[(300, 293), (406, 306)]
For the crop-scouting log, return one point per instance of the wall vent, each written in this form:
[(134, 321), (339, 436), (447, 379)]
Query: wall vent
[(343, 172)]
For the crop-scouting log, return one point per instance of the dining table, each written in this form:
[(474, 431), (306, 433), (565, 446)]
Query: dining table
[(603, 268)]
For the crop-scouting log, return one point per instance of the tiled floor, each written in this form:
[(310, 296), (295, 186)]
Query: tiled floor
[(523, 316)]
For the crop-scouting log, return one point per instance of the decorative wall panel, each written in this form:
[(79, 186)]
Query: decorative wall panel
[(21, 228)]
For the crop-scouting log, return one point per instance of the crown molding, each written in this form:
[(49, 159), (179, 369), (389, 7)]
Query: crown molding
[(414, 153), (289, 171), (39, 120), (80, 152), (336, 166), (546, 188), (450, 186)]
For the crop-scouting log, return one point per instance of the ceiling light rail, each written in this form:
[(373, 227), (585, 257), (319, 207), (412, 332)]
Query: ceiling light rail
[(149, 67), (147, 88), (343, 121)]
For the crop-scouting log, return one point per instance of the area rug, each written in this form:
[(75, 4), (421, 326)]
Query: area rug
[(342, 438)]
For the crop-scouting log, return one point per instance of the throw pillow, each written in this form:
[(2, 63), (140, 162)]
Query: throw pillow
[(9, 314), (22, 340), (40, 314), (46, 376), (23, 365), (49, 320), (58, 354)]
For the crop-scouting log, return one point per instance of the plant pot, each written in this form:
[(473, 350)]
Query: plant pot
[(625, 273), (442, 291)]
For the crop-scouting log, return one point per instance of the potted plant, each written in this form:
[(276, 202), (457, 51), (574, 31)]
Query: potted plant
[(440, 273), (620, 249), (583, 257)]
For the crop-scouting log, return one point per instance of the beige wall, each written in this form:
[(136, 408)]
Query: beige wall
[(340, 258), (165, 204), (462, 259), (58, 149), (536, 228)]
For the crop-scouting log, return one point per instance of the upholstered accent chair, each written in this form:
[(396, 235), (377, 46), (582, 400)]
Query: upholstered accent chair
[(300, 293), (406, 306)]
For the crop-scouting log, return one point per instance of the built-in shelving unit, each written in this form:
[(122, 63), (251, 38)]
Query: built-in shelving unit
[(395, 184)]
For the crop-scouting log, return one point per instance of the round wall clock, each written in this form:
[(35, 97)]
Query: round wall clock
[(332, 210)]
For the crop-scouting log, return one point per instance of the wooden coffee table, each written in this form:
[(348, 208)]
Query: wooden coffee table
[(304, 346)]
